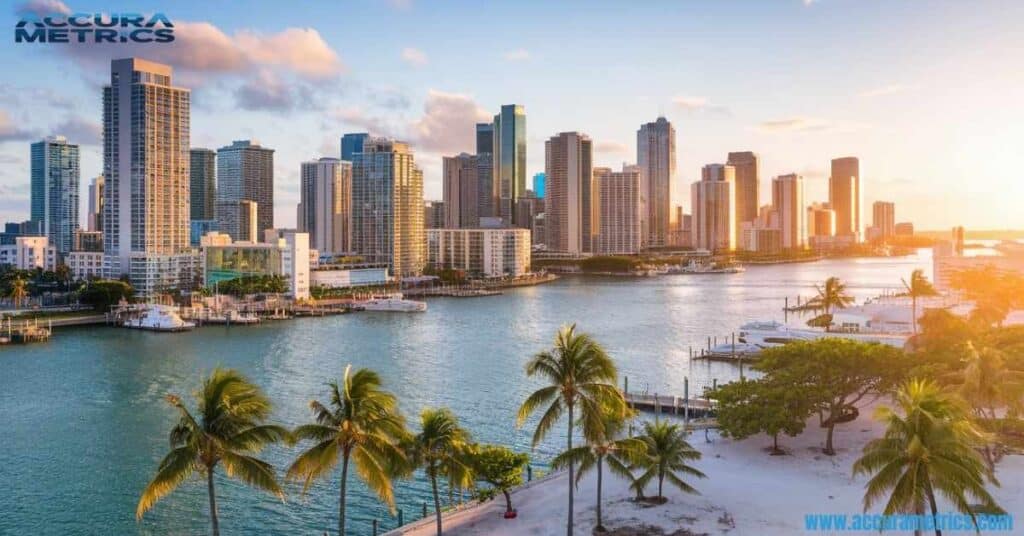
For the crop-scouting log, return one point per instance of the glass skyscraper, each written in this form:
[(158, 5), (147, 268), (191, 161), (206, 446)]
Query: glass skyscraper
[(352, 144), (510, 160), (538, 185), (202, 183), (55, 177)]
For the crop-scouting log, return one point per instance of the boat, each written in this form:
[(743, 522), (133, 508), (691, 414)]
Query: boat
[(771, 334), (233, 317), (695, 267), (394, 303), (156, 317)]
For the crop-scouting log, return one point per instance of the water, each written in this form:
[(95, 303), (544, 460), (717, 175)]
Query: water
[(84, 422)]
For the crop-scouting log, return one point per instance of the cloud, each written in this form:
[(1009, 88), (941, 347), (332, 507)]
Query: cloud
[(891, 89), (388, 97), (611, 147), (42, 8), (33, 97), (519, 54), (80, 130), (699, 106), (267, 92), (794, 124), (9, 131), (414, 57), (447, 123), (689, 103), (356, 118)]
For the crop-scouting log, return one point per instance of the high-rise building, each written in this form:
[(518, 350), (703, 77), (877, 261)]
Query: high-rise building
[(788, 203), (387, 207), (884, 219), (498, 252), (245, 171), (54, 190), (484, 138), (352, 144), (904, 228), (714, 209), (146, 169), (460, 184), (241, 217), (509, 152), (656, 156), (748, 185), (325, 205), (821, 221), (617, 196), (568, 163), (434, 214), (844, 196), (94, 220), (202, 183), (538, 185)]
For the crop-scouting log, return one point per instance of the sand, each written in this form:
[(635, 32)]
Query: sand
[(747, 491)]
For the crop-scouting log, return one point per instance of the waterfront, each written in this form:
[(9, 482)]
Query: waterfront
[(86, 423)]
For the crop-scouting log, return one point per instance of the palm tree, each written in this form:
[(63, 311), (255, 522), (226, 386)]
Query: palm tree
[(230, 427), (361, 424), (440, 449), (917, 287), (666, 455), (619, 453), (579, 374), (928, 449), (832, 295), (18, 292), (987, 385)]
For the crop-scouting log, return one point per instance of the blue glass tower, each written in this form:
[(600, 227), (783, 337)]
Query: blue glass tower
[(538, 185), (352, 144)]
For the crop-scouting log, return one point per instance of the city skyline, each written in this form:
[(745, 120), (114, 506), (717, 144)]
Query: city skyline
[(796, 121)]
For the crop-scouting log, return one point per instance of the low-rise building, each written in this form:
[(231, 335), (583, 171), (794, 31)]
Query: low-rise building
[(284, 253), (480, 252), (29, 253), (349, 275), (85, 265)]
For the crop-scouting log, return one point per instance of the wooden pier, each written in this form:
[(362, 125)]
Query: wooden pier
[(674, 405)]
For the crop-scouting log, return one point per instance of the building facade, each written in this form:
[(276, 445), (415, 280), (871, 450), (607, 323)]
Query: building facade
[(325, 205), (460, 186), (509, 154), (146, 169), (54, 190), (94, 219), (352, 144), (29, 253), (480, 252), (788, 203), (202, 183), (617, 195), (714, 209), (884, 219), (748, 185), (538, 185), (821, 224), (568, 168), (387, 207), (844, 196), (282, 252), (245, 172), (656, 156)]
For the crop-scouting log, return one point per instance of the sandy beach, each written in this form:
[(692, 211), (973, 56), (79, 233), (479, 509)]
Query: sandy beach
[(747, 491)]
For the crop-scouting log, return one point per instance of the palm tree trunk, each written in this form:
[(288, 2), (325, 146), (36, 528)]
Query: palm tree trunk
[(661, 481), (828, 440), (214, 524), (437, 502), (572, 481), (341, 498), (600, 527), (931, 501)]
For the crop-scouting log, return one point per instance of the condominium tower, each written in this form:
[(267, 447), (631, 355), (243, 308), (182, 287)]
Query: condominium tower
[(202, 183), (509, 150), (568, 162), (54, 190), (844, 196), (245, 171), (460, 184), (748, 185), (325, 205), (884, 219), (788, 203), (387, 207), (94, 219), (656, 156), (617, 213), (714, 209)]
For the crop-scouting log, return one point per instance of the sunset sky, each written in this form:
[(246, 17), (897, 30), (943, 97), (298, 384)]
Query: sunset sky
[(927, 94)]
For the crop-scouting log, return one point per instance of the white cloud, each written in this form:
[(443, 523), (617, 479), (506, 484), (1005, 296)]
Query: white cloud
[(447, 123), (519, 54), (794, 124), (689, 103), (9, 131), (890, 89), (611, 147), (414, 57), (42, 8), (80, 130)]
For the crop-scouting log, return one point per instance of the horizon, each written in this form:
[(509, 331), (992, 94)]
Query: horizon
[(921, 106)]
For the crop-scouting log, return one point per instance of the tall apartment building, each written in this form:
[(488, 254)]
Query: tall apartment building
[(460, 187), (434, 214), (202, 184), (884, 219), (617, 196), (788, 203), (656, 156), (484, 138), (568, 168), (844, 196), (387, 207), (748, 185), (821, 221), (245, 171), (714, 209), (509, 153), (54, 190), (325, 205), (94, 219), (146, 169), (481, 252)]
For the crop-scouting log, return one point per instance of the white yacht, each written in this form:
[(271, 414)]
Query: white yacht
[(394, 303), (156, 317), (695, 267), (769, 334)]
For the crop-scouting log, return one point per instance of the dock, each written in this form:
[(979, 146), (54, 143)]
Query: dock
[(667, 404)]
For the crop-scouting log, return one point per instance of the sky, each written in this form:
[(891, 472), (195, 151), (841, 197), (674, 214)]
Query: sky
[(927, 94)]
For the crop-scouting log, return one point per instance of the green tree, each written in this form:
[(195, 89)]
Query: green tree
[(63, 275), (833, 375), (579, 375), (361, 423), (618, 452), (917, 287), (230, 428), (929, 448), (831, 296), (750, 407), (441, 449), (18, 292), (500, 467), (104, 294), (665, 457)]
